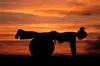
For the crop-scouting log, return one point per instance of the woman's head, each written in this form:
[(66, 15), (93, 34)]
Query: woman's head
[(81, 34)]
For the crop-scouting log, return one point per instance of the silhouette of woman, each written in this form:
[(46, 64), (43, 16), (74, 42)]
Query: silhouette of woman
[(43, 45)]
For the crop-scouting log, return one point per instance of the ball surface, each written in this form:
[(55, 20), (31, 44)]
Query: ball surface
[(41, 47)]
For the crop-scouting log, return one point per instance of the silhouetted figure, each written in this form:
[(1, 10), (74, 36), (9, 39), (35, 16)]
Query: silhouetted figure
[(71, 37), (43, 45)]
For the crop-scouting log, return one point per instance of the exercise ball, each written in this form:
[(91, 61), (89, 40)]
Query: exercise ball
[(41, 46)]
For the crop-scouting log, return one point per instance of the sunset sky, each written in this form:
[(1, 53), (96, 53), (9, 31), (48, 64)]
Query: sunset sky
[(48, 15)]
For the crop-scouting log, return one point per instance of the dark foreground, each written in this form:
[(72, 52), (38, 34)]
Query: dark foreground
[(54, 55), (23, 59)]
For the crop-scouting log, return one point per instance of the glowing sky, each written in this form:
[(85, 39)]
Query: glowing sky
[(48, 15)]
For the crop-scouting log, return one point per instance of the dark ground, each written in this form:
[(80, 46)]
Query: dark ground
[(24, 59)]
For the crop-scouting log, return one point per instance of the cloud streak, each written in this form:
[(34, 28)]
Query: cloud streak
[(21, 18), (16, 18), (85, 11), (94, 26)]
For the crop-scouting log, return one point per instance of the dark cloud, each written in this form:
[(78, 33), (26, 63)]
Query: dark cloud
[(10, 3), (94, 35), (95, 26), (92, 10), (16, 18), (87, 11), (6, 35), (93, 47)]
